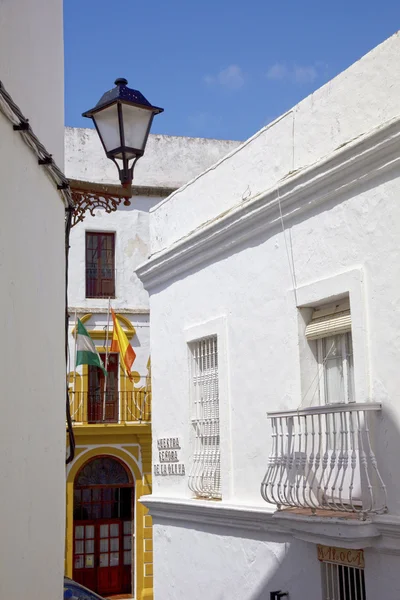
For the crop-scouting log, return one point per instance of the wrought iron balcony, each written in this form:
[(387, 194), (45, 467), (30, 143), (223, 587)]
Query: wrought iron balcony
[(110, 407), (322, 458)]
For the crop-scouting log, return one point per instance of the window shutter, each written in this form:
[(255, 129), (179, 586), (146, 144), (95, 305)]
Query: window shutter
[(333, 319)]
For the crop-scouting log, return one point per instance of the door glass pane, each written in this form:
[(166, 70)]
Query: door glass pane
[(107, 492), (104, 531), (114, 530), (127, 558), (127, 526), (104, 545), (103, 560), (127, 542), (96, 493), (114, 544), (89, 531), (333, 370), (89, 561), (79, 547), (86, 495), (95, 511), (114, 559), (79, 562), (89, 546), (79, 532)]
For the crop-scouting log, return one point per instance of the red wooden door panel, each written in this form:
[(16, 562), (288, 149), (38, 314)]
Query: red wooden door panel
[(109, 572), (96, 391), (85, 553)]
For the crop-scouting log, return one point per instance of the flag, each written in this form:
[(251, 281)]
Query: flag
[(86, 353), (120, 343)]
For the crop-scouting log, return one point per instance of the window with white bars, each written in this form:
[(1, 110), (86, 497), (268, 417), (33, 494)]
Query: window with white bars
[(342, 582), (205, 473), (330, 326)]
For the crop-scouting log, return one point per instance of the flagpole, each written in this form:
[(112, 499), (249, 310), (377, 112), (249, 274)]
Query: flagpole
[(106, 365), (76, 345)]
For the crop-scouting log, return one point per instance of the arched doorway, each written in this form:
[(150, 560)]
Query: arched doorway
[(103, 526)]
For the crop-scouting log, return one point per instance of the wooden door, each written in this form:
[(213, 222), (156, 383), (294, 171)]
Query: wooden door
[(85, 571), (98, 555), (97, 396), (109, 571)]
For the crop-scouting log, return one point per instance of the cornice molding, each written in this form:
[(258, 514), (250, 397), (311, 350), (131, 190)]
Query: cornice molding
[(350, 165), (210, 512), (380, 533), (104, 310)]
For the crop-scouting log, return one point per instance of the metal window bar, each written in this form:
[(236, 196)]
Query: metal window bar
[(342, 582), (205, 474)]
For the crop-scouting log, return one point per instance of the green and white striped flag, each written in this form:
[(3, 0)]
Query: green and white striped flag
[(86, 353)]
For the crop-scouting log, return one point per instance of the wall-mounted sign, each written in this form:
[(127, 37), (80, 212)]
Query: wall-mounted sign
[(341, 556), (168, 456)]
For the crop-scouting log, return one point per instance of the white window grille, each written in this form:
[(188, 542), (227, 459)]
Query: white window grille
[(342, 582), (330, 326), (205, 474)]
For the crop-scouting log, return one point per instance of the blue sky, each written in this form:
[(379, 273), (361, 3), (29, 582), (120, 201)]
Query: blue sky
[(219, 68)]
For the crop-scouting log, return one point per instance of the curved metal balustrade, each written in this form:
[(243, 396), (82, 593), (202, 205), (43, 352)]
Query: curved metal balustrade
[(322, 458)]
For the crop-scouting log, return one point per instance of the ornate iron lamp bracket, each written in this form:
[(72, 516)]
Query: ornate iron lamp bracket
[(88, 197)]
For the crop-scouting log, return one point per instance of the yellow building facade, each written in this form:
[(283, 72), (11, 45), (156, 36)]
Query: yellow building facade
[(109, 545)]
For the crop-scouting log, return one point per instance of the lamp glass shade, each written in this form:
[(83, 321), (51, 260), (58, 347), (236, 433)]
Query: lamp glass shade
[(137, 123), (108, 127)]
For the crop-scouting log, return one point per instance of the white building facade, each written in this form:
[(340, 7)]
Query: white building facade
[(169, 163), (274, 294), (32, 303), (112, 418)]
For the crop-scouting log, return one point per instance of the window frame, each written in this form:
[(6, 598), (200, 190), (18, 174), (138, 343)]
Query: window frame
[(338, 578), (205, 472), (98, 280), (214, 327), (350, 284)]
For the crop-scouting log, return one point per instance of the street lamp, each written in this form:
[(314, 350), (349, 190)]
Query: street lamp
[(123, 118)]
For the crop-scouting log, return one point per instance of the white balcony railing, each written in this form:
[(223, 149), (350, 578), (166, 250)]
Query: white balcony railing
[(322, 458)]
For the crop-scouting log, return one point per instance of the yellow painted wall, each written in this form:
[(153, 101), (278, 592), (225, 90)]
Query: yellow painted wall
[(132, 445)]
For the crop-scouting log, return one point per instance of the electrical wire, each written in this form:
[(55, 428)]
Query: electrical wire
[(21, 125), (70, 431)]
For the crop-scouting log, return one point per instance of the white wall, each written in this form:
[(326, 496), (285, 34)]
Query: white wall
[(359, 99), (32, 66), (252, 287), (32, 374), (130, 225), (234, 567), (32, 364), (169, 161), (337, 241)]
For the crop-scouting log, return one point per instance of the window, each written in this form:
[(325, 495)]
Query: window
[(342, 582), (205, 475), (330, 327), (100, 265)]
